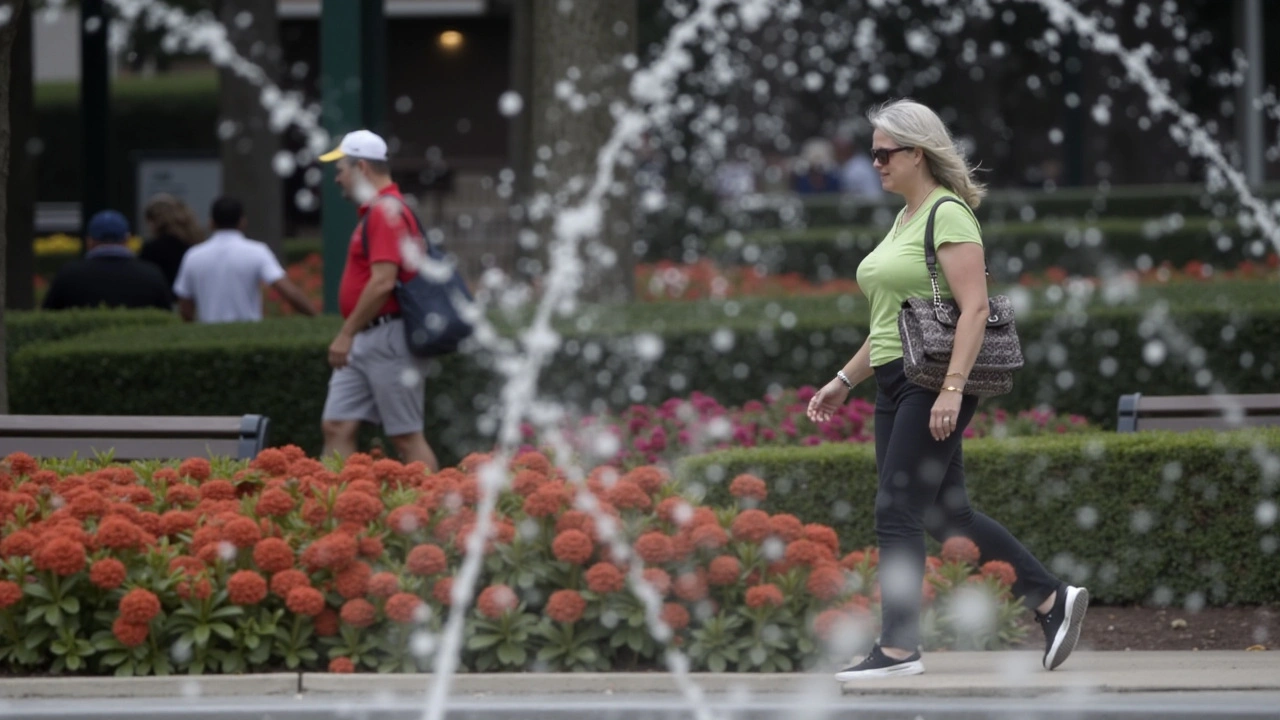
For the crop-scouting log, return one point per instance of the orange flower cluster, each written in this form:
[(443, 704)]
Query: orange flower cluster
[(372, 547)]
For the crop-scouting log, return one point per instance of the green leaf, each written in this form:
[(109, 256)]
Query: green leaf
[(70, 605), (35, 639), (717, 663), (228, 611), (224, 630), (252, 642), (53, 615), (483, 642), (114, 658), (549, 653), (36, 590), (511, 654), (74, 662), (35, 613), (201, 635)]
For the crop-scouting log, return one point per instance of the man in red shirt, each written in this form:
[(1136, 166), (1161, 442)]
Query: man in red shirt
[(375, 379)]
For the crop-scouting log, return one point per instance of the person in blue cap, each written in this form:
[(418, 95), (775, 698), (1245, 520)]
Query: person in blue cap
[(109, 274)]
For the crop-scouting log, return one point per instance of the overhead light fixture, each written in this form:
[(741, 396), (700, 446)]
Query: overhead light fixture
[(450, 39)]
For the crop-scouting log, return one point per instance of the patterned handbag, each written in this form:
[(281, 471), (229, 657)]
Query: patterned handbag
[(928, 331)]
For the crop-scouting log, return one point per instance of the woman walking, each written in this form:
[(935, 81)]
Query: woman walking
[(918, 430)]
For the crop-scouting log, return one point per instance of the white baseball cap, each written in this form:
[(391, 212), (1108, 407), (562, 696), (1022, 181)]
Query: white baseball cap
[(358, 144)]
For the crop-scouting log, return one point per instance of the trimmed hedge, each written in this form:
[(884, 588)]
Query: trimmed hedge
[(1138, 518), (1011, 204), (1078, 362), (1012, 248), (27, 327)]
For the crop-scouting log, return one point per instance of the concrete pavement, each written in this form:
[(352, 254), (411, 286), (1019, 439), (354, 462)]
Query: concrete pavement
[(956, 686), (947, 675)]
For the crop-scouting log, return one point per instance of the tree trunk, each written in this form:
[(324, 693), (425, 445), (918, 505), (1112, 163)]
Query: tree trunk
[(248, 153), (8, 33), (583, 41)]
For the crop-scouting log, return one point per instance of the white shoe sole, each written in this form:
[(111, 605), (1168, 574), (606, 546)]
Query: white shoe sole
[(1069, 633), (915, 667)]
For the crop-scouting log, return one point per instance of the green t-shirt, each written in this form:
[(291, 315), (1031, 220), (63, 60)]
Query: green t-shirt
[(895, 269)]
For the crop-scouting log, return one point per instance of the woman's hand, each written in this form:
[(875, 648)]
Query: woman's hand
[(946, 412), (827, 401)]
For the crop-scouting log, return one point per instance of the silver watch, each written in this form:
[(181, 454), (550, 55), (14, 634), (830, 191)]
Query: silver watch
[(844, 379)]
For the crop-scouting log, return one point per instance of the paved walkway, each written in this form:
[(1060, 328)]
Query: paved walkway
[(960, 674)]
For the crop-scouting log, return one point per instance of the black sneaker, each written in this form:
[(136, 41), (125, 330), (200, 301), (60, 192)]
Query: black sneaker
[(1062, 624), (878, 665)]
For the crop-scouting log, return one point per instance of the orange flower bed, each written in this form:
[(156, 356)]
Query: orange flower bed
[(289, 562)]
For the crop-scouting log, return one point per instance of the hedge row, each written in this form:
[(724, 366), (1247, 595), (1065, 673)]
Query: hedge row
[(25, 327), (1078, 362), (1139, 518), (1013, 248), (1012, 205)]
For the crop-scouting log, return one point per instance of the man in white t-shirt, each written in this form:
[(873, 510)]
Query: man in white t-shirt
[(220, 280)]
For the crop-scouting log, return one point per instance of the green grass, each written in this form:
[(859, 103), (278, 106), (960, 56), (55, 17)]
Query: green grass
[(133, 87)]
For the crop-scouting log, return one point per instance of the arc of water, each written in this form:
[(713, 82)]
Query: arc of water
[(654, 86), (1187, 130)]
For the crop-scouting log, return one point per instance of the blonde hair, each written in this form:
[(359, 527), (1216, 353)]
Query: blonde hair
[(174, 217), (914, 125)]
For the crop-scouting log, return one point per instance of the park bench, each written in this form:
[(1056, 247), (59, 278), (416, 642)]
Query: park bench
[(130, 437), (1183, 413)]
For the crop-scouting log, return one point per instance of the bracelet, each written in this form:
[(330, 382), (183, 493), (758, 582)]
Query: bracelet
[(953, 388), (844, 379), (959, 375)]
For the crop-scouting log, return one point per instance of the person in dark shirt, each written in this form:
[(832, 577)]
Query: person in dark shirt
[(172, 227), (109, 274)]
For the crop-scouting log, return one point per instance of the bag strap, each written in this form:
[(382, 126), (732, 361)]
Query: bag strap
[(406, 212), (931, 254)]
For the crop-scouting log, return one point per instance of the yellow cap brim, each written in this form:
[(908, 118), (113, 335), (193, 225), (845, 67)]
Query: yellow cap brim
[(334, 154)]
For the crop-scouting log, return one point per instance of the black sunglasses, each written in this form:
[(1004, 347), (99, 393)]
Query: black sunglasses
[(883, 155)]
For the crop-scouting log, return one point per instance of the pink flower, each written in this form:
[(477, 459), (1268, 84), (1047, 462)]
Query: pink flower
[(812, 440)]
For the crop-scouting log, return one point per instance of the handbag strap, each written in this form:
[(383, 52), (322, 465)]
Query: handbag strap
[(931, 254)]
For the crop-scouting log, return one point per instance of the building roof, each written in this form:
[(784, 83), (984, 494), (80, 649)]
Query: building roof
[(394, 8)]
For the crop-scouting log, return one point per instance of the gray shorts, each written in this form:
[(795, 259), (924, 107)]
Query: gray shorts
[(382, 383)]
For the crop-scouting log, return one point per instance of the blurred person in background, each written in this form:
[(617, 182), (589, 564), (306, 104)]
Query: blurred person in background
[(221, 279), (815, 169), (858, 175), (109, 274), (173, 228)]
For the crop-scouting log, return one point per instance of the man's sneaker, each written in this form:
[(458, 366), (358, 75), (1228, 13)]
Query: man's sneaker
[(878, 665), (1062, 624)]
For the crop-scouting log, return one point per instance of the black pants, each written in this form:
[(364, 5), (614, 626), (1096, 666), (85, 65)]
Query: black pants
[(922, 488)]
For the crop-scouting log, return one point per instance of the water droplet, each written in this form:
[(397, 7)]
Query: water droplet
[(1086, 517), (1154, 352), (284, 163), (1265, 513)]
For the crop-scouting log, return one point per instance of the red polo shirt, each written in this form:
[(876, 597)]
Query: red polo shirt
[(385, 233)]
